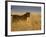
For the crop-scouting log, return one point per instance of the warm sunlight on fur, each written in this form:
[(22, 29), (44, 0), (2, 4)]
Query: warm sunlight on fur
[(27, 22)]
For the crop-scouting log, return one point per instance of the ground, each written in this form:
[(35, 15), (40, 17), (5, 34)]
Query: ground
[(32, 23)]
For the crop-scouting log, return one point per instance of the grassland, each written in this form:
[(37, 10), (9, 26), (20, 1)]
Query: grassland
[(32, 23)]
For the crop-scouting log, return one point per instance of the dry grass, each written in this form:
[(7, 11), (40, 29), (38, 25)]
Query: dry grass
[(32, 23)]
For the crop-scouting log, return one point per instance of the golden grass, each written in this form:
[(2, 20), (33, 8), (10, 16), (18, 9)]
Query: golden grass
[(32, 23)]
